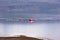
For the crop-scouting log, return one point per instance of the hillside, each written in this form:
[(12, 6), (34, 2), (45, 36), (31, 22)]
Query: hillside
[(22, 37)]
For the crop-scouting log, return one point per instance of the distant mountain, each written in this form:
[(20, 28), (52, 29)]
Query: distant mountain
[(22, 37)]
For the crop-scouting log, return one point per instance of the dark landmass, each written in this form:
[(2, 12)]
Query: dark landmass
[(22, 37)]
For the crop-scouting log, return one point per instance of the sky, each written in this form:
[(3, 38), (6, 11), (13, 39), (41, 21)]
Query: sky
[(30, 8), (37, 9)]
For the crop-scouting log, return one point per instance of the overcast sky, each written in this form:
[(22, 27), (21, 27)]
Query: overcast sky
[(19, 8)]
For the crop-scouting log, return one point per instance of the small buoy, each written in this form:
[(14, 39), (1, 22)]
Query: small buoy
[(31, 20)]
